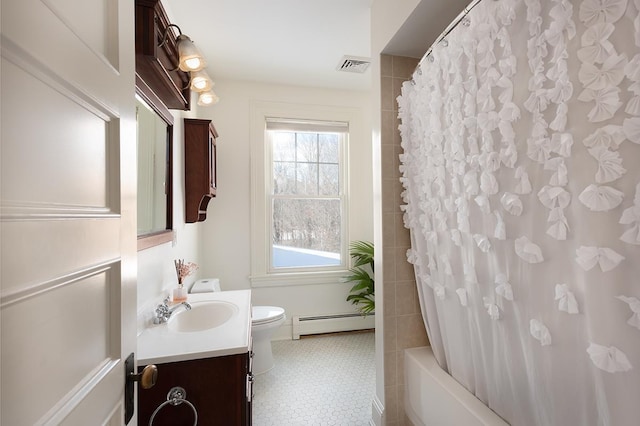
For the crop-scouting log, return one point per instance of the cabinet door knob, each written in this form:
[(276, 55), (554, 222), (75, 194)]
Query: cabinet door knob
[(147, 377)]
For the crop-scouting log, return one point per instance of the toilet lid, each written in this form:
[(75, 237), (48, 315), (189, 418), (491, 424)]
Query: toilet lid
[(264, 314)]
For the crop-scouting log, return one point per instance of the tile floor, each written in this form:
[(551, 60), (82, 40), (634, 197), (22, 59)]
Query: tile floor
[(322, 380)]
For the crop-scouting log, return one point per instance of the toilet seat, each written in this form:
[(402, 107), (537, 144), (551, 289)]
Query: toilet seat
[(266, 314)]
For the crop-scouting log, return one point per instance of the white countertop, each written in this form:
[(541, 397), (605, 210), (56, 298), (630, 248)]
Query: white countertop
[(158, 345)]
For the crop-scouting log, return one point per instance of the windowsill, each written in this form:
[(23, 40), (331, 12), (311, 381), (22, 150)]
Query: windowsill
[(298, 278)]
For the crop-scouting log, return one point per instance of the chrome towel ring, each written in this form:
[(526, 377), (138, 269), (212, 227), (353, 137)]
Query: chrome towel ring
[(176, 396)]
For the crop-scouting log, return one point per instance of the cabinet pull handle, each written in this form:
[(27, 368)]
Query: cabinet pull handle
[(250, 379)]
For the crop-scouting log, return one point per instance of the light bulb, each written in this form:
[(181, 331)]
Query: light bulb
[(200, 81), (208, 98), (193, 63), (189, 56)]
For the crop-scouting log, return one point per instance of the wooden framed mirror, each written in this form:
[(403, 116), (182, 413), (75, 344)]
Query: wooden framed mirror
[(154, 125)]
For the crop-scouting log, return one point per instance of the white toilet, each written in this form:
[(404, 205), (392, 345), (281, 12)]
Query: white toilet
[(264, 322)]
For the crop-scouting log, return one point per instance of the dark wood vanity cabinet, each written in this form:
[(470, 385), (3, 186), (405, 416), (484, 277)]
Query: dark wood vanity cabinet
[(219, 388), (199, 168)]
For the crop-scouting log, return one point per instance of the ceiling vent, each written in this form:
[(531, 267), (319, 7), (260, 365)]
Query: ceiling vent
[(353, 64)]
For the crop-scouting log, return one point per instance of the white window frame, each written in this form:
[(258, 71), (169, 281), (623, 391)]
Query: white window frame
[(262, 275), (303, 126)]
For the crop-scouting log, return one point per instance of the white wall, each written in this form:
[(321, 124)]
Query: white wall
[(225, 237)]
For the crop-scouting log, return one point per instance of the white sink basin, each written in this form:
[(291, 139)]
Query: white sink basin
[(202, 316), (218, 324)]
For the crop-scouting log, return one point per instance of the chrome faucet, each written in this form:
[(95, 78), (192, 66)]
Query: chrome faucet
[(163, 312)]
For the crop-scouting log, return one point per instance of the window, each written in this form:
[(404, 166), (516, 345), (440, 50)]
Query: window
[(306, 194), (309, 198)]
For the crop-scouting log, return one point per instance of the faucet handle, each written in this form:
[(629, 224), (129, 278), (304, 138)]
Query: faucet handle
[(162, 312)]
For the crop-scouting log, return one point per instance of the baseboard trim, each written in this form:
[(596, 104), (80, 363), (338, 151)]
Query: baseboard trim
[(377, 412), (330, 324)]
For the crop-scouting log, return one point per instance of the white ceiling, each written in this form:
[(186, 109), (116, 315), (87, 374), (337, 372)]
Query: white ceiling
[(299, 42)]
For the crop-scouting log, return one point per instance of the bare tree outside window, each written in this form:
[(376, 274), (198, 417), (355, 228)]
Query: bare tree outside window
[(306, 200)]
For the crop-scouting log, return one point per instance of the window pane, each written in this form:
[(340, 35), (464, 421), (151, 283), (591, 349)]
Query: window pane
[(307, 229), (329, 179), (306, 232), (284, 146), (307, 147), (284, 177), (307, 177), (328, 147)]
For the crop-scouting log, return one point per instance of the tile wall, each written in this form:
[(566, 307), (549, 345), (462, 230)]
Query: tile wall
[(403, 325)]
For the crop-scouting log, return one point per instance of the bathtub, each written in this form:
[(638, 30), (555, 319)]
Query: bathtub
[(433, 398)]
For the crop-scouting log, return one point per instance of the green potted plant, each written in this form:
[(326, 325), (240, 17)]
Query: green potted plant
[(362, 293)]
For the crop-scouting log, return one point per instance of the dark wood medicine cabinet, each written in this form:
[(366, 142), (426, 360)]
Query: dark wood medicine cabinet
[(200, 175)]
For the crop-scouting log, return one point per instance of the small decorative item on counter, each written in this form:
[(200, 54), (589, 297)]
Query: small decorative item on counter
[(183, 270), (179, 294)]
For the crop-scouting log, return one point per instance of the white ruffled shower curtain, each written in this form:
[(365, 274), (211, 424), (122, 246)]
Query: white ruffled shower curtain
[(521, 168)]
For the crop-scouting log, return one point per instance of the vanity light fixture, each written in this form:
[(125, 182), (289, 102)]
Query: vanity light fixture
[(191, 60)]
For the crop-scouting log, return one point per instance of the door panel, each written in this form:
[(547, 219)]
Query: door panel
[(67, 218), (43, 249), (62, 359), (98, 30), (70, 133), (47, 34)]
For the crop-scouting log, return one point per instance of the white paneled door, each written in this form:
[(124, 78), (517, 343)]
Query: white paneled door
[(68, 259)]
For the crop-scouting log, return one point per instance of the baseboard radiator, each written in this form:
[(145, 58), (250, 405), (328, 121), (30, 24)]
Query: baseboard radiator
[(319, 324)]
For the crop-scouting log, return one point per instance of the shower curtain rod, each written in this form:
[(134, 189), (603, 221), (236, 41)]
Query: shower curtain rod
[(449, 28)]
